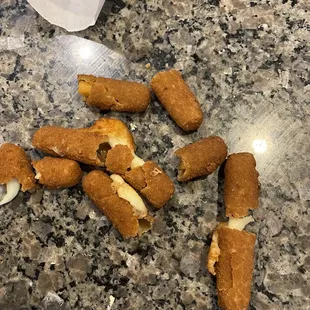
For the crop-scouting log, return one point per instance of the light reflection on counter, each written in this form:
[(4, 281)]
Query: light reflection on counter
[(259, 145), (85, 52)]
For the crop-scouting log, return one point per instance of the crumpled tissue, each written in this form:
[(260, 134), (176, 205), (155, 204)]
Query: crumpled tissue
[(73, 15)]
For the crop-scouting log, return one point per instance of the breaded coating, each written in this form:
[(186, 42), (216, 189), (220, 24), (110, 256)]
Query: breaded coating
[(99, 188), (115, 95), (14, 164), (177, 98), (200, 158), (119, 159), (152, 182), (135, 177), (57, 172), (214, 253), (70, 143), (241, 184), (233, 267), (115, 129)]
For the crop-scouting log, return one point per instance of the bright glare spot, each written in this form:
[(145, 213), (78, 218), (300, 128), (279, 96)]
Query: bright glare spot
[(260, 146), (85, 52)]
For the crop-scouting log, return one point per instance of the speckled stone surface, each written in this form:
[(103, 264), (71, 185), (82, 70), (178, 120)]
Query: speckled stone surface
[(248, 62)]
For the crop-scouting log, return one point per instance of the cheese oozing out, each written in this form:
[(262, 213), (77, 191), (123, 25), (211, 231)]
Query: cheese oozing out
[(239, 224), (12, 189), (126, 192), (136, 162)]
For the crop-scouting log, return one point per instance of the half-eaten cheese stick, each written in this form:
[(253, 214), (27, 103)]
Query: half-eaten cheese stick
[(200, 158), (57, 172), (241, 185), (146, 177), (115, 129), (231, 260), (85, 147), (152, 182), (115, 95), (177, 98), (119, 202), (15, 170)]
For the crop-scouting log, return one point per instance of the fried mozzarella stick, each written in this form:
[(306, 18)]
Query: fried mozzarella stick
[(200, 158), (152, 182), (241, 185), (231, 260), (57, 172), (177, 98), (115, 95), (15, 170), (74, 144), (146, 177), (119, 202)]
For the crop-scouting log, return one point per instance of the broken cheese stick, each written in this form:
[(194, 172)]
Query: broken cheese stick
[(115, 95), (14, 164), (119, 202), (152, 182), (119, 135), (177, 98), (241, 185), (57, 172), (200, 158), (146, 177), (86, 145), (115, 129), (70, 143), (231, 259)]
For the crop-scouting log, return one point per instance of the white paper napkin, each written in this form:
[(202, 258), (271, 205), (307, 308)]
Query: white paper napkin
[(73, 15)]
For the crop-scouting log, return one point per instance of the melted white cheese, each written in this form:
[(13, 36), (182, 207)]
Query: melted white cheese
[(12, 189), (126, 192), (239, 224)]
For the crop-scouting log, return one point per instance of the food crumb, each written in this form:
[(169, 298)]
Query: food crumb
[(148, 66), (111, 299)]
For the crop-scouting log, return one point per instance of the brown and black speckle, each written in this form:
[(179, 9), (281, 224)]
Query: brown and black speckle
[(248, 64)]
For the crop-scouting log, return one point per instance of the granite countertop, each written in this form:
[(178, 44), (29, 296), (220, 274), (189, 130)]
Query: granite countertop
[(249, 64)]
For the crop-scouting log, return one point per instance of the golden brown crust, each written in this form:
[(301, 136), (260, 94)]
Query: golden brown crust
[(70, 143), (113, 128), (89, 78), (14, 164), (241, 184), (158, 187), (202, 157), (213, 254), (119, 159), (177, 98), (116, 95), (234, 268), (135, 177), (98, 186), (57, 172)]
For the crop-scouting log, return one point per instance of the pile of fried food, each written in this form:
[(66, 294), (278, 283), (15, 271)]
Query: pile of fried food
[(118, 176)]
